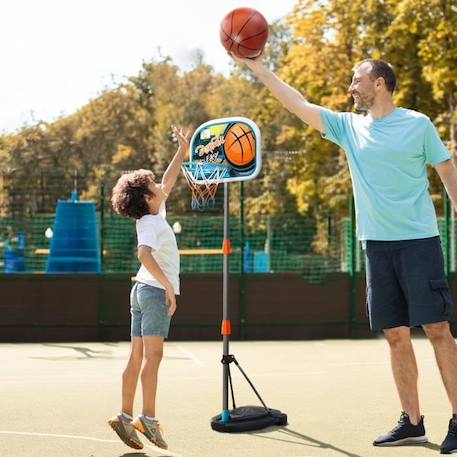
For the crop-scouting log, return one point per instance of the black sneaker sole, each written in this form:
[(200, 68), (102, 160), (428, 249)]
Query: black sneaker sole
[(409, 440)]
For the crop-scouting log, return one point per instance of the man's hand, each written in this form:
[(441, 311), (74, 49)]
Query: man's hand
[(253, 64)]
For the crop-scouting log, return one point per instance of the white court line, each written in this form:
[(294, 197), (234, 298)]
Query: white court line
[(85, 438), (192, 356)]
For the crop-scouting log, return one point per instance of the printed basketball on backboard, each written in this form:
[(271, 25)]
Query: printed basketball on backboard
[(232, 143)]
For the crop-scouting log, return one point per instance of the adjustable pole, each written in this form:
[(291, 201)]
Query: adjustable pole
[(226, 327)]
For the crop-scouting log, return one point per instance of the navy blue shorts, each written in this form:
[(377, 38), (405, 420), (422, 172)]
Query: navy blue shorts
[(406, 283)]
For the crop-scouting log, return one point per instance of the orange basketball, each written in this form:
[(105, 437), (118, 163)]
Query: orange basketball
[(239, 146), (244, 31)]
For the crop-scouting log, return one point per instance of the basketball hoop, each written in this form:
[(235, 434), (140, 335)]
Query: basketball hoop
[(203, 179), (225, 151)]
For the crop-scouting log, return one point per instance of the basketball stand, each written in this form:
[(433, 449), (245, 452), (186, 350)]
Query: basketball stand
[(243, 418), (203, 178)]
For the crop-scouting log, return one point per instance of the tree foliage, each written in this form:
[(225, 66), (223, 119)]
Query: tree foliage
[(314, 50)]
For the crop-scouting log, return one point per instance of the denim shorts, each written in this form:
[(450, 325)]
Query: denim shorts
[(149, 311), (406, 283)]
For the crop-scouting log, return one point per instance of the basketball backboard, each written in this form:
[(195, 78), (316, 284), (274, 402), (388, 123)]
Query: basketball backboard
[(232, 143)]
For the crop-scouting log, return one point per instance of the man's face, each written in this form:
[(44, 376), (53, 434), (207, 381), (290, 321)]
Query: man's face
[(362, 88)]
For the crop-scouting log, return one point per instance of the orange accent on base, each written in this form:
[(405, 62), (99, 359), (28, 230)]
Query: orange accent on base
[(227, 247), (226, 328)]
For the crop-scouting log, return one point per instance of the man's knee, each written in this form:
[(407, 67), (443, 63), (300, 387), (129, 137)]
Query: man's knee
[(437, 332), (398, 336)]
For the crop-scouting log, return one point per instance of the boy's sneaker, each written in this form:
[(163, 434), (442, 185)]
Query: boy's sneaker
[(404, 433), (126, 431), (151, 430), (449, 445)]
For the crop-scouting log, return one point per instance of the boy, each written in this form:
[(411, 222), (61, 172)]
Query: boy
[(153, 302)]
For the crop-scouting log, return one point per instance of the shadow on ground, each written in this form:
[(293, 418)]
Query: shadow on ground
[(84, 353), (293, 437), (142, 454)]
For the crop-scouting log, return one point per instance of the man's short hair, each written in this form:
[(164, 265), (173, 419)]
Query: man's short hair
[(381, 69)]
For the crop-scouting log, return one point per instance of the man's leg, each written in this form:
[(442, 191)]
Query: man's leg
[(445, 349), (131, 375), (404, 369)]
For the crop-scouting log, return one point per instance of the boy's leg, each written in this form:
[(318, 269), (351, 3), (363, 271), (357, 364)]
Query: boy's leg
[(155, 326), (131, 375), (147, 423), (152, 353), (122, 424)]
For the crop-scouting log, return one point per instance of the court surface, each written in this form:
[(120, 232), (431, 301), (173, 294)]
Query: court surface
[(338, 394)]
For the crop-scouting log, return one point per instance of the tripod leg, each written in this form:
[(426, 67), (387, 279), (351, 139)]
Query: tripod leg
[(250, 383), (231, 386)]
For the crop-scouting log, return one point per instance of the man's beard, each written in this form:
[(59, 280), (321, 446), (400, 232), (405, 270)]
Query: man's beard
[(363, 103)]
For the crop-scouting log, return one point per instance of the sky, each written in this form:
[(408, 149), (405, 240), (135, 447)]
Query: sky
[(58, 54)]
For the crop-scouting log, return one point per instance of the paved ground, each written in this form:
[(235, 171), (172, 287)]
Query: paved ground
[(339, 395)]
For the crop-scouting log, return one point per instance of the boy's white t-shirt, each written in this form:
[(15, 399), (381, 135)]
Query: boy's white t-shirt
[(154, 231)]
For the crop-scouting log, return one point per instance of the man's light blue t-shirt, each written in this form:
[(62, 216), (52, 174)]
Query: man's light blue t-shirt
[(387, 160)]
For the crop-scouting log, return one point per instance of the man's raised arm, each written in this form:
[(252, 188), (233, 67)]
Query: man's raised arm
[(289, 97)]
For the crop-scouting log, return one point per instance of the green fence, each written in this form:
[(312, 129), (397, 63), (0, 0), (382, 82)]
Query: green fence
[(285, 242)]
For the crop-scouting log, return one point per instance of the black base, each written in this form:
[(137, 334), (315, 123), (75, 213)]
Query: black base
[(247, 418)]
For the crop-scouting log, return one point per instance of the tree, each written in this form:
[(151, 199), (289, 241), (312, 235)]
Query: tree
[(438, 51)]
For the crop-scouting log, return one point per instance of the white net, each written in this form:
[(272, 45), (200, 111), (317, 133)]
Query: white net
[(203, 179)]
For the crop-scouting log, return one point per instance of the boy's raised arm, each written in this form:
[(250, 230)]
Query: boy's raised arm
[(174, 168)]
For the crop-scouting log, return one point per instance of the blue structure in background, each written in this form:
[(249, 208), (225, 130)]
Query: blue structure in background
[(14, 259), (261, 262), (75, 246), (255, 261)]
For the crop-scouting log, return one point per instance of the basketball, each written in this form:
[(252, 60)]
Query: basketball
[(239, 146), (244, 31)]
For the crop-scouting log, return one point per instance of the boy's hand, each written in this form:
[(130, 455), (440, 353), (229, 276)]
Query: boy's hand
[(170, 300), (182, 136)]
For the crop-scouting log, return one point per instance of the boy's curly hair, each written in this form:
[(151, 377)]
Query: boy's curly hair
[(129, 192)]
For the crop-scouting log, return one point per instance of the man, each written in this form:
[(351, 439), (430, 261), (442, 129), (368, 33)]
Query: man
[(387, 150)]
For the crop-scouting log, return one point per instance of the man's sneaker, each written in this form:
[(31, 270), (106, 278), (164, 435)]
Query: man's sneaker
[(151, 430), (449, 445), (403, 433), (126, 431)]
